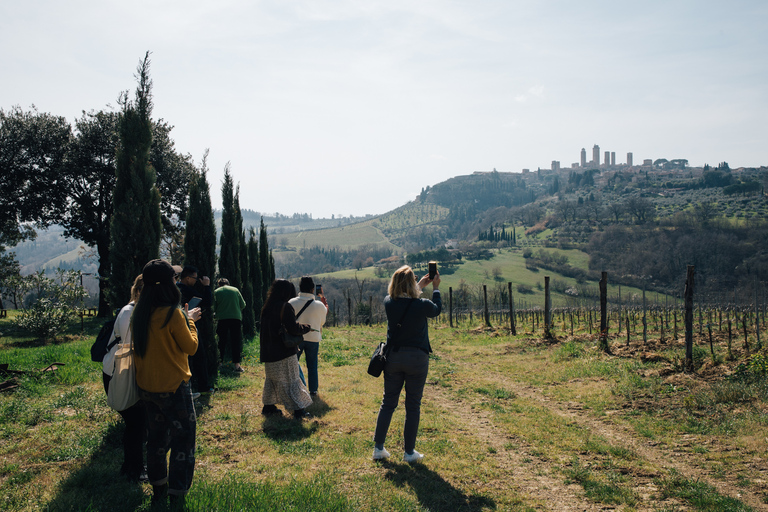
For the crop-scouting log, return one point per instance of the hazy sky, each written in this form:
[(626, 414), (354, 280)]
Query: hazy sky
[(352, 106)]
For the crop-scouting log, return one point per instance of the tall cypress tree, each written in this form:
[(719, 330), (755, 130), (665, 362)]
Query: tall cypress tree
[(249, 325), (229, 257), (135, 228), (254, 272), (200, 251), (266, 282)]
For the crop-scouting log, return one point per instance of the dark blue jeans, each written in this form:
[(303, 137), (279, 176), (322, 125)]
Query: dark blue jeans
[(408, 367), (310, 350), (172, 426)]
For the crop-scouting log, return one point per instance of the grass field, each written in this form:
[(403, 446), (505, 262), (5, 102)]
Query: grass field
[(508, 423), (511, 267)]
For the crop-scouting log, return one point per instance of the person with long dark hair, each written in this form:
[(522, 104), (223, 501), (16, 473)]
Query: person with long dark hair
[(163, 339), (407, 357), (135, 418), (282, 384)]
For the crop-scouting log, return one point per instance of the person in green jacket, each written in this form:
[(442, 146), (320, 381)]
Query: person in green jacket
[(228, 305)]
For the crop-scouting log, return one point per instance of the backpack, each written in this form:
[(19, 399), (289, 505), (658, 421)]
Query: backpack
[(123, 391), (102, 344)]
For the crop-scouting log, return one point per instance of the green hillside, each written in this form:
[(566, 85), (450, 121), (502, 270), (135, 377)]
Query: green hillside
[(509, 265)]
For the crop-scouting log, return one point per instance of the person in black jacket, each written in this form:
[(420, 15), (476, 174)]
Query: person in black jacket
[(282, 384), (191, 286), (408, 356)]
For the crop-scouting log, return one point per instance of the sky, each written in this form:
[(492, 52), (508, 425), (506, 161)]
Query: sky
[(351, 107)]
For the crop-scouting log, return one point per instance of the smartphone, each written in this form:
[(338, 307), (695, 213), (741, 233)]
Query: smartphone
[(432, 269), (318, 289), (194, 302)]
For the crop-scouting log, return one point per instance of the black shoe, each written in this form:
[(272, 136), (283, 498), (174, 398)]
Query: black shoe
[(159, 493), (313, 393), (301, 414), (269, 410)]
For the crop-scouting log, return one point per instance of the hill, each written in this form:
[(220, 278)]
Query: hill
[(641, 224)]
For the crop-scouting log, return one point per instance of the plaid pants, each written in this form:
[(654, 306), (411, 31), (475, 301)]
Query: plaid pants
[(172, 424)]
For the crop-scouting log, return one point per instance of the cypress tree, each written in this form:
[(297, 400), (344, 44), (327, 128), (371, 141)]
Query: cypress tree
[(249, 326), (254, 272), (229, 257), (200, 251), (135, 228), (266, 280)]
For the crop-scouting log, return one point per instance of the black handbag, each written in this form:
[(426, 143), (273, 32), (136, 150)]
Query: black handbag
[(291, 340), (379, 357), (378, 360)]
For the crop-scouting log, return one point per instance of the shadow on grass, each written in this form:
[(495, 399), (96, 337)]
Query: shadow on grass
[(319, 407), (432, 491), (97, 483), (282, 428)]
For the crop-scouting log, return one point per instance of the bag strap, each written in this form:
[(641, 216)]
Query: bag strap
[(395, 346), (400, 323), (113, 343), (310, 301)]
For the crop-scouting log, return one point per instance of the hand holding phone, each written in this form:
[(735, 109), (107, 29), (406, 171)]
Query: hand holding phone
[(194, 302)]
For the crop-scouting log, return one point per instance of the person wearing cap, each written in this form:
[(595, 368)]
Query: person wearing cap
[(190, 285), (314, 315), (163, 339), (228, 305)]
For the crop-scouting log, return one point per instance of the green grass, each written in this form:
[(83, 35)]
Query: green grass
[(698, 494), (492, 402)]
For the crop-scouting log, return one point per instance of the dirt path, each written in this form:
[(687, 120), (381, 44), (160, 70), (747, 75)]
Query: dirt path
[(527, 474), (536, 478)]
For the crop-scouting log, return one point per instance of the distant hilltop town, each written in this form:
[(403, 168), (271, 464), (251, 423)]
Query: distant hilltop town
[(608, 163)]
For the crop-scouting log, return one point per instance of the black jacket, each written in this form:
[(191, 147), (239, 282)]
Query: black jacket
[(413, 331), (271, 348)]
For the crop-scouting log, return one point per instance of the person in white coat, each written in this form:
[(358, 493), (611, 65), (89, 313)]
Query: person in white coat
[(135, 417), (314, 315)]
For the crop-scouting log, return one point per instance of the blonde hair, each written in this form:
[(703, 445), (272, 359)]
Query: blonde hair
[(138, 285), (403, 284)]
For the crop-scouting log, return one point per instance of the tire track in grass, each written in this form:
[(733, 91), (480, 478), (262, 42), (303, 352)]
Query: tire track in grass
[(550, 486), (684, 463), (531, 476)]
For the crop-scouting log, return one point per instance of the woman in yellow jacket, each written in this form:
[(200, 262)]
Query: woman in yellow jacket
[(163, 339)]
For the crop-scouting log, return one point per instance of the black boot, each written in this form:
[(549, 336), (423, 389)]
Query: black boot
[(268, 410), (301, 414), (159, 493)]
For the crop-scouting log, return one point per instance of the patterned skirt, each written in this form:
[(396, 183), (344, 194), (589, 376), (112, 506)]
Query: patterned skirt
[(282, 385)]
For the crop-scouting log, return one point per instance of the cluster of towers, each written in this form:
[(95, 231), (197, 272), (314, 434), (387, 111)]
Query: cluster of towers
[(609, 159)]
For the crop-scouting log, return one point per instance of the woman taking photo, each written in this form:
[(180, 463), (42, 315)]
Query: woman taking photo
[(134, 416), (282, 384), (163, 340), (407, 357)]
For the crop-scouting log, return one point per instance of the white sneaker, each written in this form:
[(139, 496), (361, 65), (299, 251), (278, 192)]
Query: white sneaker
[(380, 454), (414, 457), (195, 395)]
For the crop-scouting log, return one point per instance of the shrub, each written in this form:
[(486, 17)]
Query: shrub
[(524, 288), (57, 303)]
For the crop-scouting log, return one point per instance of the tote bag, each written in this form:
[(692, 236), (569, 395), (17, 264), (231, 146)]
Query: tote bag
[(123, 391)]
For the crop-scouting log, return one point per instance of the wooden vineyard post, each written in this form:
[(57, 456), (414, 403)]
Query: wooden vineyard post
[(486, 315), (547, 313), (450, 306), (512, 327), (757, 322), (645, 319), (349, 309), (689, 319), (603, 340), (730, 339)]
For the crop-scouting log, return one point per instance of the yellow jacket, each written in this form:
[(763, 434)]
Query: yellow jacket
[(166, 365)]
